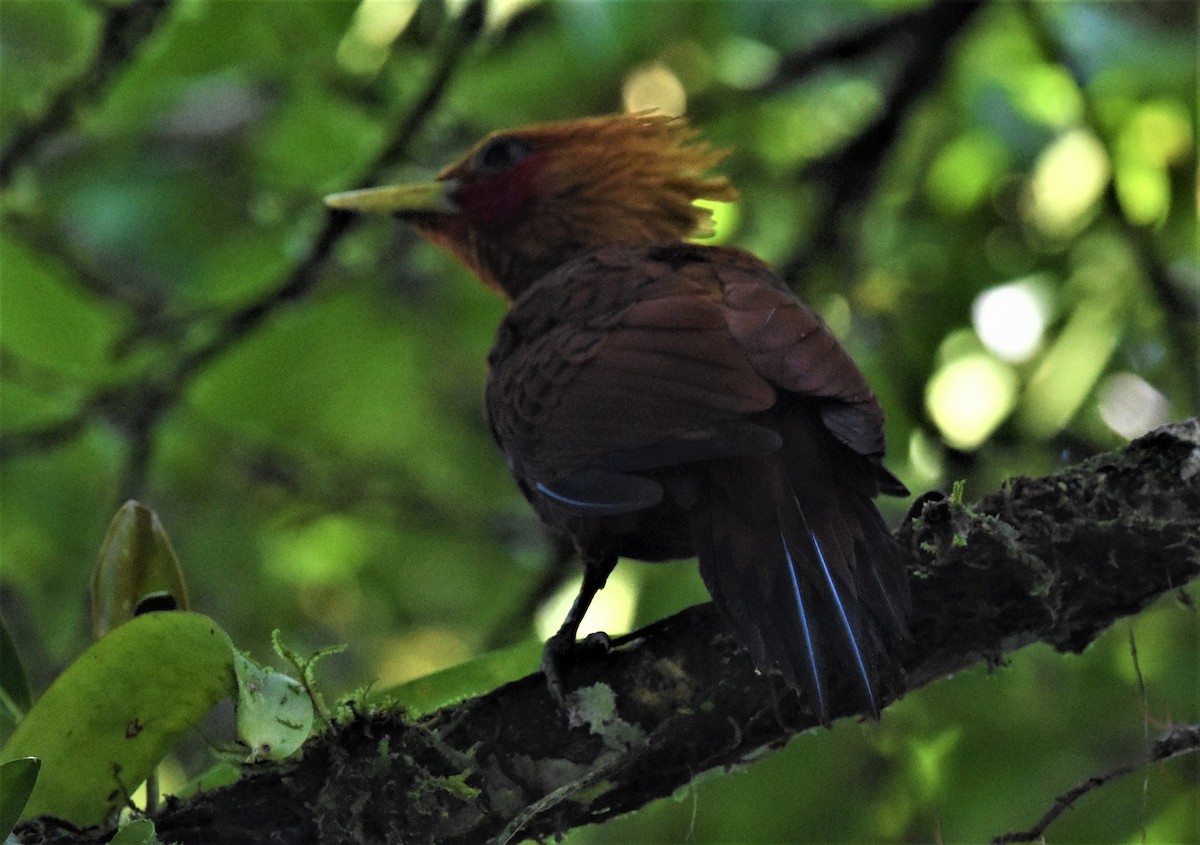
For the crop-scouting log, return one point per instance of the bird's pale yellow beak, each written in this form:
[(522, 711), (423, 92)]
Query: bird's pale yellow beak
[(399, 200)]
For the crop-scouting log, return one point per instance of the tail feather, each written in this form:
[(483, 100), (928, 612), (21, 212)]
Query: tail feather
[(804, 569), (848, 629), (814, 676)]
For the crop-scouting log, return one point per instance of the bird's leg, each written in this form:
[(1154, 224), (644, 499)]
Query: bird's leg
[(559, 649)]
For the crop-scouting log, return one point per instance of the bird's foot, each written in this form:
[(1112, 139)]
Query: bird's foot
[(561, 653)]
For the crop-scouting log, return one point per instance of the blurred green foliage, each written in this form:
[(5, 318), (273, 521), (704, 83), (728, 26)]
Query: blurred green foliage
[(318, 449)]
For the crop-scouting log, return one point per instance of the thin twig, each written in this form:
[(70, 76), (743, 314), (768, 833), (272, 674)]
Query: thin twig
[(547, 802), (851, 171), (141, 299), (126, 28), (1184, 739), (844, 46), (42, 437), (1144, 709), (304, 275), (140, 419)]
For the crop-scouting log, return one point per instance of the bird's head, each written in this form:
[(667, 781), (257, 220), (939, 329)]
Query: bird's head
[(524, 201)]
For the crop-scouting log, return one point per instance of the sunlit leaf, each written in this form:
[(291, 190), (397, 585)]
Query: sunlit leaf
[(113, 713), (137, 832), (220, 774)]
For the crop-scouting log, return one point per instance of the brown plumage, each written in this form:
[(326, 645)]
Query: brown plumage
[(657, 399)]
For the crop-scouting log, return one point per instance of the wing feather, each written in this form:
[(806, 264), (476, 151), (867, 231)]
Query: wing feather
[(647, 358), (790, 346)]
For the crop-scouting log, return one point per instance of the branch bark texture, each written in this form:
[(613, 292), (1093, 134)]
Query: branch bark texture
[(1056, 559)]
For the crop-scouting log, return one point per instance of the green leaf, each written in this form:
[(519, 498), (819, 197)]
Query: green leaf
[(136, 564), (467, 679), (274, 713), (109, 718), (220, 774), (137, 832), (17, 779), (15, 698)]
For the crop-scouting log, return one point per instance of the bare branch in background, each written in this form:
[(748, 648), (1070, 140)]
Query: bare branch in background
[(1180, 740), (126, 28), (139, 419), (850, 173)]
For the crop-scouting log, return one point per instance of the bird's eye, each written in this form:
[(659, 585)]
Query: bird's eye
[(500, 155)]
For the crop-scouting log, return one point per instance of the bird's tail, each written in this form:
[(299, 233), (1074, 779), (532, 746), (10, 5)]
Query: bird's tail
[(801, 564)]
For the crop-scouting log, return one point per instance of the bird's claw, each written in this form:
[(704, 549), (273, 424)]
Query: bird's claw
[(561, 653)]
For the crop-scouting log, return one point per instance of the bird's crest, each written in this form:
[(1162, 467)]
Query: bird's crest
[(525, 201), (537, 196), (644, 163)]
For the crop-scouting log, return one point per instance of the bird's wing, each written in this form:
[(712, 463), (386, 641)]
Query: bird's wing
[(623, 362), (636, 358), (791, 347)]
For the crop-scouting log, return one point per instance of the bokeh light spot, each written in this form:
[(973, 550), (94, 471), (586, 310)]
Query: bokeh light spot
[(322, 551), (1069, 370), (744, 63), (1159, 133), (963, 173), (969, 397), (611, 610), (654, 87), (1131, 406), (419, 652), (1010, 319), (1144, 192), (1068, 178), (925, 457), (929, 759), (375, 25), (835, 311), (724, 221), (1048, 94)]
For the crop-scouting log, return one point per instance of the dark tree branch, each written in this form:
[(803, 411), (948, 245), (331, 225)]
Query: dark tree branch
[(43, 437), (303, 276), (1056, 559), (854, 44), (141, 300), (1180, 740), (851, 172), (126, 28)]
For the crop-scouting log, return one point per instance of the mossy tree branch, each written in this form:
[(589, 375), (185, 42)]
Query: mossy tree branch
[(1056, 559)]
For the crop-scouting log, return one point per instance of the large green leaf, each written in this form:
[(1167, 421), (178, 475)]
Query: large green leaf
[(113, 713)]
